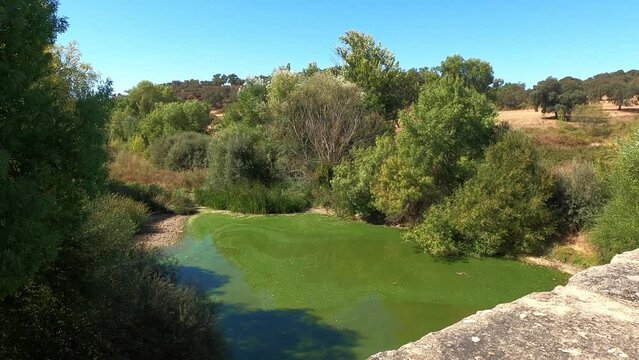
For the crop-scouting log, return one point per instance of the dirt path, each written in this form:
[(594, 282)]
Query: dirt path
[(161, 230)]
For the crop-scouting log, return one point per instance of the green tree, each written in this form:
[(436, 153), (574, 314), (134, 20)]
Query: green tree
[(52, 145), (219, 79), (475, 73), (353, 178), (511, 96), (558, 96), (374, 68), (282, 84), (76, 77), (145, 96), (322, 119), (545, 95), (234, 80), (449, 125), (502, 210), (172, 118), (251, 106), (616, 229), (620, 92)]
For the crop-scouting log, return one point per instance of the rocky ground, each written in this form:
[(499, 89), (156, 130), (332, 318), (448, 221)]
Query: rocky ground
[(161, 230)]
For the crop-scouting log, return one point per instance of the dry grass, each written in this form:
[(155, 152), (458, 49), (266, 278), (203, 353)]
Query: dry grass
[(129, 167), (529, 119)]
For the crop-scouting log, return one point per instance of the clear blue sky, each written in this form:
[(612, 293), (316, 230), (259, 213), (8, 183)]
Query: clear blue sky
[(525, 41)]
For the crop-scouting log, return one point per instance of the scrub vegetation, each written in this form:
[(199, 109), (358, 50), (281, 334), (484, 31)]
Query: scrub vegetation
[(73, 283), (422, 148)]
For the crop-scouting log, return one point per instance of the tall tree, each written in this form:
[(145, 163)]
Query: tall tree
[(51, 140), (475, 73), (323, 119), (220, 79), (511, 96), (449, 124), (374, 68)]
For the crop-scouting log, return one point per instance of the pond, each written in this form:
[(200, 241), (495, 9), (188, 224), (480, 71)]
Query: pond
[(309, 286)]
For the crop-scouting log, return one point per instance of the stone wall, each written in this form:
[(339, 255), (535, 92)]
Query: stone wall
[(595, 316)]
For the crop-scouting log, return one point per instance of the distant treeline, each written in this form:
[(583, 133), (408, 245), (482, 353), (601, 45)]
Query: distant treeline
[(560, 96)]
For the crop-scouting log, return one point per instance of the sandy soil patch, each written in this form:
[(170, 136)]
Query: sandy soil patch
[(161, 230), (529, 119)]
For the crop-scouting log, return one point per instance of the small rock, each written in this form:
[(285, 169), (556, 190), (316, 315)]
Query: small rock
[(522, 316), (475, 339)]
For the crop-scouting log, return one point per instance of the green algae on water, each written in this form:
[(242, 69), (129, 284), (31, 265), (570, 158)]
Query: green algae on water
[(309, 286)]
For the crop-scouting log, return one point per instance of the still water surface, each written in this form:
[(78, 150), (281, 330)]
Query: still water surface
[(309, 286)]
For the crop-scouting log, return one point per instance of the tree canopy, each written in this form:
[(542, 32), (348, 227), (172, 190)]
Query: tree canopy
[(558, 96), (374, 68), (52, 145), (450, 124)]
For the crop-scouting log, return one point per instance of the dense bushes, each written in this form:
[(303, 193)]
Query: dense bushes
[(184, 151), (255, 198), (616, 229), (107, 298), (156, 198), (449, 124), (353, 179), (244, 175), (240, 154), (502, 210), (579, 195), (172, 118), (250, 108), (51, 140)]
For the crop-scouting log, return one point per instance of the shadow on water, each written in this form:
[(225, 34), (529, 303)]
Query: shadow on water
[(271, 334), (283, 334), (204, 280)]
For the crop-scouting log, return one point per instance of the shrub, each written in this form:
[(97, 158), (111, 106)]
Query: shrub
[(502, 210), (105, 292), (172, 118), (450, 124), (250, 107), (579, 195), (240, 154), (616, 229), (255, 198), (352, 179), (156, 198), (183, 151), (322, 118)]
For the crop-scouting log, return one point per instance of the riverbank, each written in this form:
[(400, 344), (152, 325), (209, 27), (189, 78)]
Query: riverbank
[(161, 230)]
